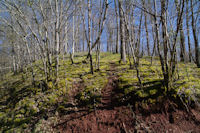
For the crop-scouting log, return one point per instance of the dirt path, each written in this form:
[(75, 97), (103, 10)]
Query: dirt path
[(107, 91), (106, 118), (110, 117)]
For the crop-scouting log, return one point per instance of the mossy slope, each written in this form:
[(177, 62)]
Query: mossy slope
[(24, 107)]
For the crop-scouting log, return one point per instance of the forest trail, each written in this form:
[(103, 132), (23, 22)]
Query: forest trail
[(106, 117), (110, 116), (107, 91)]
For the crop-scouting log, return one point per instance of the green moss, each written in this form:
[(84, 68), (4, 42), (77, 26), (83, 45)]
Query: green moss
[(22, 111), (52, 99), (128, 80), (152, 92), (61, 108), (141, 94), (62, 83), (50, 84), (69, 79), (19, 116), (152, 101), (103, 74), (103, 66), (2, 114), (150, 79), (188, 92), (128, 90), (88, 95), (33, 99), (89, 76), (17, 120)]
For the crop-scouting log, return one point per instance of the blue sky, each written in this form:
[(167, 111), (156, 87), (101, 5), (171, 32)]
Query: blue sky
[(143, 38)]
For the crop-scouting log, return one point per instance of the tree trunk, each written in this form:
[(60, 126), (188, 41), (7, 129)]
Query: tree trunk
[(117, 25), (73, 35), (182, 45), (182, 54), (188, 31), (126, 26), (147, 35), (57, 38), (146, 29), (65, 39), (98, 56), (83, 40), (122, 32), (138, 39), (158, 39), (197, 61), (165, 43), (89, 36)]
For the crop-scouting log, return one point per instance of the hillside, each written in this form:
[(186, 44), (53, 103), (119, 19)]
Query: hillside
[(110, 100)]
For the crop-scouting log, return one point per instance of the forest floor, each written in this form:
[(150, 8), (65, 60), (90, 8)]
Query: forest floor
[(111, 116), (106, 117), (108, 101)]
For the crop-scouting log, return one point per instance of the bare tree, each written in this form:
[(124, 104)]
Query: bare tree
[(188, 31), (122, 33), (197, 61), (146, 28), (89, 36), (117, 25), (182, 44), (101, 23)]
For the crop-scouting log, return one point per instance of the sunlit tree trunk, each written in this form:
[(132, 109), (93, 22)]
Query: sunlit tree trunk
[(89, 36), (73, 35), (182, 44), (57, 38), (117, 25), (197, 61), (146, 29), (122, 33), (188, 31)]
